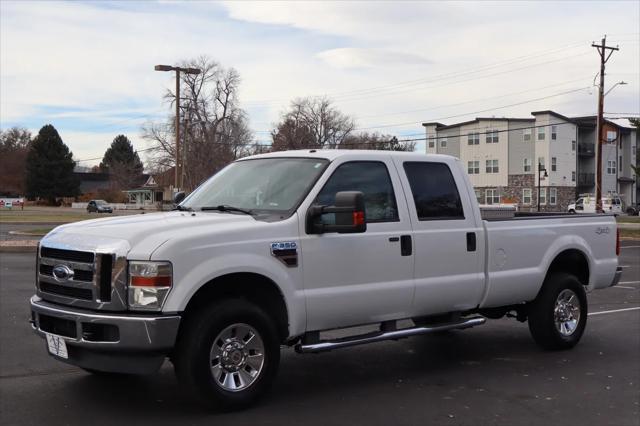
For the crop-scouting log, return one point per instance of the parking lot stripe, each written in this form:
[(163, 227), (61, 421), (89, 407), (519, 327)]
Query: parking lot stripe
[(624, 247), (614, 311), (629, 282), (628, 288)]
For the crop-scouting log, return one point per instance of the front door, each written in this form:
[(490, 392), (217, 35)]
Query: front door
[(352, 279)]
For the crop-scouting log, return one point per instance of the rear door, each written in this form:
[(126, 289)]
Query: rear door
[(359, 278), (448, 238)]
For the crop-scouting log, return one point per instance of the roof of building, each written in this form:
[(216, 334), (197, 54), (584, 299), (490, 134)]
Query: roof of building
[(591, 120), (440, 126), (555, 114)]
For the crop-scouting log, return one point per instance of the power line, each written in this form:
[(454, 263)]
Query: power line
[(479, 111), (374, 91)]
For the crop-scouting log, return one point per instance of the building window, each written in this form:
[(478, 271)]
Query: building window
[(492, 136), (526, 136), (540, 163), (540, 133), (573, 176), (611, 167), (573, 146), (443, 143), (553, 196), (473, 139), (554, 164), (491, 196), (432, 142), (554, 133), (527, 165), (611, 136), (473, 167), (492, 166), (543, 195), (478, 196), (526, 196)]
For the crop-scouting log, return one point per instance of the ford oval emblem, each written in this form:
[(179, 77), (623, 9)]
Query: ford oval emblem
[(62, 273)]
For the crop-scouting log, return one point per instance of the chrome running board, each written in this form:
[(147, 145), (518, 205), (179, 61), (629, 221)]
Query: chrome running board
[(379, 336)]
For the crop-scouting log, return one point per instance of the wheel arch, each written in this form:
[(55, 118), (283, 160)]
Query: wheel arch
[(254, 287), (572, 261)]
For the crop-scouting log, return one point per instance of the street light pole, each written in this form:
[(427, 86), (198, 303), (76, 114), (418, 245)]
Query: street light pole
[(178, 158), (540, 170)]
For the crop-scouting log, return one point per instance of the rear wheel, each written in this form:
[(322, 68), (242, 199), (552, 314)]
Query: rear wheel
[(228, 354), (558, 316)]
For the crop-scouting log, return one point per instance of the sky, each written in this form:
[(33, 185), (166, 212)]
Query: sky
[(87, 67)]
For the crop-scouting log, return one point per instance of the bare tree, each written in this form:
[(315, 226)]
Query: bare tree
[(377, 141), (14, 145), (311, 123), (214, 128)]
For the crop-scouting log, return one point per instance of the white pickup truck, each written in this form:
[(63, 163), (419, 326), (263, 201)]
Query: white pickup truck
[(277, 248)]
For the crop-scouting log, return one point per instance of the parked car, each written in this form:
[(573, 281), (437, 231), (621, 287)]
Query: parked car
[(633, 209), (587, 204), (278, 248), (99, 206)]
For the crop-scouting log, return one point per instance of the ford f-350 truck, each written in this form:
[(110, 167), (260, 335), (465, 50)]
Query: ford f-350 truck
[(277, 248)]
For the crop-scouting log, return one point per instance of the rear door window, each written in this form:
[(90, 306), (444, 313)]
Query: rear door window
[(434, 191)]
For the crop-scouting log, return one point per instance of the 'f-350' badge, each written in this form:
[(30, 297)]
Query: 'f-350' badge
[(286, 251)]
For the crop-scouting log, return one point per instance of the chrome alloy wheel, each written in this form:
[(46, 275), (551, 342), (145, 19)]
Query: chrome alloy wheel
[(236, 357), (566, 313)]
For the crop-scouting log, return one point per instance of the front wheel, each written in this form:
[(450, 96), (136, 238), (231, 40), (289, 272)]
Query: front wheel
[(558, 316), (572, 211), (228, 354)]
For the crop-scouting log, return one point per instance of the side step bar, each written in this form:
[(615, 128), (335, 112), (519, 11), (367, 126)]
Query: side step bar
[(379, 336)]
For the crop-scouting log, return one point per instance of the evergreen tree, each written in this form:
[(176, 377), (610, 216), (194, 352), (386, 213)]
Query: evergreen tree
[(49, 167), (122, 162)]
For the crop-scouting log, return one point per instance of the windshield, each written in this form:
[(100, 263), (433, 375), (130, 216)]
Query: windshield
[(101, 202), (262, 185)]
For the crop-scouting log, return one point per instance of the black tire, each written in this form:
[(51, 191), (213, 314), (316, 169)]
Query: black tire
[(542, 315), (193, 364), (572, 211)]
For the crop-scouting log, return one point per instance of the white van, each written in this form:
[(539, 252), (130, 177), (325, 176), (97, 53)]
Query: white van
[(587, 204)]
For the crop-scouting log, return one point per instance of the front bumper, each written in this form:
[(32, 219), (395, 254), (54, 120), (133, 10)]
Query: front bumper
[(616, 277), (125, 343)]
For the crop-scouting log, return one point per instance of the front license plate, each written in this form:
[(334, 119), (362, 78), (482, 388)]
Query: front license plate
[(57, 346)]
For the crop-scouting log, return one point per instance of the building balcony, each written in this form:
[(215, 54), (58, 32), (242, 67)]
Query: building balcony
[(586, 150), (586, 179)]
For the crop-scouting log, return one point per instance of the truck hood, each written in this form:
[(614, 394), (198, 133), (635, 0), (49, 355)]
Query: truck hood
[(143, 232)]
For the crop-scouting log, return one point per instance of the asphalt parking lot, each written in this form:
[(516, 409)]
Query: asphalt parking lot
[(488, 375)]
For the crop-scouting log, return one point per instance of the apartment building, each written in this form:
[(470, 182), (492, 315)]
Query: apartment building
[(502, 157)]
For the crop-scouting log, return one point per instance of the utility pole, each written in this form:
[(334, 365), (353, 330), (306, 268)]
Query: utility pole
[(178, 157), (604, 57)]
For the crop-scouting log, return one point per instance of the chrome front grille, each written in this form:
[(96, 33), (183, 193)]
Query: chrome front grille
[(86, 279)]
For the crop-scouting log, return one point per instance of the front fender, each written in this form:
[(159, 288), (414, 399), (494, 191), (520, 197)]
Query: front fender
[(220, 265)]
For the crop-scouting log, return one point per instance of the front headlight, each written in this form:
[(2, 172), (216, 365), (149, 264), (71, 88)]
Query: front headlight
[(149, 284)]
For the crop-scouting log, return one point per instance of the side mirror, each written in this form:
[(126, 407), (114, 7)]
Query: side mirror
[(349, 213), (178, 197)]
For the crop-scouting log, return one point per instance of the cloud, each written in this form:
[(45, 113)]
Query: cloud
[(89, 66), (350, 57)]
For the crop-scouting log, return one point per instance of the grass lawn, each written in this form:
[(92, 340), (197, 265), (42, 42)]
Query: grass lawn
[(50, 215), (630, 233), (628, 219)]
